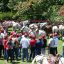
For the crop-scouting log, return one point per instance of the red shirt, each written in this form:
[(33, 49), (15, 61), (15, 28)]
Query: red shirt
[(32, 42), (5, 43)]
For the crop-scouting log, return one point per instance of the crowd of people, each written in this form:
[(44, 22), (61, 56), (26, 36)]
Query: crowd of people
[(26, 46)]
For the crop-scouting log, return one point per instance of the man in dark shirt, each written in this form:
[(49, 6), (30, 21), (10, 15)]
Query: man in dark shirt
[(38, 46), (43, 51)]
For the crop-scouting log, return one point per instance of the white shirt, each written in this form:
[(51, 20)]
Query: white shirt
[(50, 41), (13, 40), (40, 59), (61, 61), (53, 42), (2, 35), (25, 42), (56, 41)]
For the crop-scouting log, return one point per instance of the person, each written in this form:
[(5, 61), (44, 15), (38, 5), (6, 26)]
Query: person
[(1, 43), (10, 49), (38, 46), (38, 59), (55, 38), (44, 45), (25, 44), (59, 59), (5, 47), (19, 37), (51, 44), (44, 59), (32, 47), (15, 45), (11, 34)]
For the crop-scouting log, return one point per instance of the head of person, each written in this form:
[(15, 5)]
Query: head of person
[(0, 31), (14, 34), (25, 34), (55, 35), (6, 36), (10, 39), (20, 34), (43, 36), (17, 35), (51, 35), (33, 37), (11, 33), (40, 38)]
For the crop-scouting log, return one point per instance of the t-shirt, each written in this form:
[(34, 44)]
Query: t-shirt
[(39, 44), (61, 61), (45, 42), (19, 39), (10, 45), (51, 42), (56, 41), (24, 42), (5, 44), (32, 42), (15, 42)]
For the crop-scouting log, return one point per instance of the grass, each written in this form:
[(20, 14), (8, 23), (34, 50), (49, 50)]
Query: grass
[(60, 47), (20, 62)]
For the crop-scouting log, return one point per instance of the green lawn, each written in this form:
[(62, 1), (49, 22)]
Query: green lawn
[(20, 62), (17, 62), (60, 47)]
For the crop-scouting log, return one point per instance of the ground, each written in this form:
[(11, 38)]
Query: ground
[(20, 62)]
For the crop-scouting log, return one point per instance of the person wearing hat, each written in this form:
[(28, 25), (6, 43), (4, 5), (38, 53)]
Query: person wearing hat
[(38, 46), (19, 37), (44, 44), (32, 47), (1, 43), (50, 44), (11, 34), (53, 42), (15, 45), (25, 44), (55, 38), (10, 49), (5, 47)]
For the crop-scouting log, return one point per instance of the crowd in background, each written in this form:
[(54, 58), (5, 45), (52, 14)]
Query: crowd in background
[(26, 46), (15, 42)]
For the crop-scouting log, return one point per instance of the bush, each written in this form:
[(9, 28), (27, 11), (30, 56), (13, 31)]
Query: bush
[(6, 15)]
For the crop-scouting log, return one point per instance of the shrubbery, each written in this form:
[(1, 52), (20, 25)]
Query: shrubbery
[(6, 15), (31, 9)]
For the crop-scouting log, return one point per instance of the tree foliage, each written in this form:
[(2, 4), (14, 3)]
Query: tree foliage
[(38, 9), (3, 5), (33, 9)]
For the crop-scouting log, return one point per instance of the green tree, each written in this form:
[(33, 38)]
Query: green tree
[(3, 5), (32, 9), (12, 4)]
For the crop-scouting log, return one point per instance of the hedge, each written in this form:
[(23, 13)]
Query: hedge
[(6, 15)]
